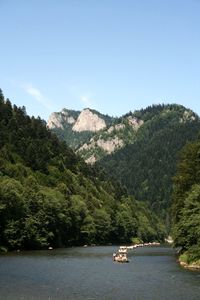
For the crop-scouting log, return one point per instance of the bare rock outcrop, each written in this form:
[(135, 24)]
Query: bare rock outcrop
[(116, 127), (88, 121), (187, 117), (56, 120), (135, 122), (91, 160), (111, 145)]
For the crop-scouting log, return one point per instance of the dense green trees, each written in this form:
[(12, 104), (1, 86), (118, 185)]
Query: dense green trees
[(186, 202), (146, 166), (50, 197)]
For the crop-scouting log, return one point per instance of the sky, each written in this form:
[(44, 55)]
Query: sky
[(114, 56)]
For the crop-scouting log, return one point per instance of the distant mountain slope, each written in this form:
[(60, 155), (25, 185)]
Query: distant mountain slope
[(147, 165)]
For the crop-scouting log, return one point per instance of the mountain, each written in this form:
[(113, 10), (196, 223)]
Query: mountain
[(121, 132), (91, 134), (147, 165), (140, 149), (50, 197), (75, 127)]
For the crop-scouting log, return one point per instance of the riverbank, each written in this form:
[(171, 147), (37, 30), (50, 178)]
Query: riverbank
[(183, 261)]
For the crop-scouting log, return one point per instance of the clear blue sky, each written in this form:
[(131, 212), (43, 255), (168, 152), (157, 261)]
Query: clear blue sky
[(110, 55)]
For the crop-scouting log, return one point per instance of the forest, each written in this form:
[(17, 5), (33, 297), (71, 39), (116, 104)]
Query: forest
[(185, 210), (50, 197), (147, 165)]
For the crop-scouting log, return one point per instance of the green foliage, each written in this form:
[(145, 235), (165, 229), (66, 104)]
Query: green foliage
[(136, 240), (50, 197), (186, 202), (187, 229), (184, 258), (146, 166)]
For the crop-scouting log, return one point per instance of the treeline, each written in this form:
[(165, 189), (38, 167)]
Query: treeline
[(186, 204), (50, 197), (146, 166)]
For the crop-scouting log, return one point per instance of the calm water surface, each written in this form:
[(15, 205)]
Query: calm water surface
[(90, 273)]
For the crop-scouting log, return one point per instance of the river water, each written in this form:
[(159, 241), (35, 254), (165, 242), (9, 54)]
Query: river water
[(89, 273)]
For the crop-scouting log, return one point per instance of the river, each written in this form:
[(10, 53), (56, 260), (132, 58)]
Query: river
[(89, 273)]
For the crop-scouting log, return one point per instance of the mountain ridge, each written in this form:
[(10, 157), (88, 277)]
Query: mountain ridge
[(94, 135), (140, 150), (146, 166)]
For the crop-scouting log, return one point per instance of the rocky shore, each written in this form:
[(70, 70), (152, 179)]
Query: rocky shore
[(190, 266)]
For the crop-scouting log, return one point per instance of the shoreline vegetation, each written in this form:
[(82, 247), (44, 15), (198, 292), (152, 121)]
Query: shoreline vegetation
[(186, 207), (129, 245), (190, 265)]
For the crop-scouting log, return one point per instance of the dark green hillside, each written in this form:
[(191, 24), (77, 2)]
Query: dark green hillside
[(186, 204), (146, 166), (50, 197), (73, 139)]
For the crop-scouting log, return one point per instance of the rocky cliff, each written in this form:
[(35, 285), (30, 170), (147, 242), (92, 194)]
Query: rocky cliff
[(60, 119), (88, 121), (95, 136), (77, 128), (110, 139)]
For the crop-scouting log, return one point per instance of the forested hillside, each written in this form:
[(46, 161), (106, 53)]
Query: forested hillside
[(139, 149), (186, 204), (146, 166), (50, 197)]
